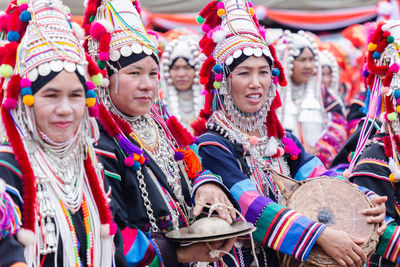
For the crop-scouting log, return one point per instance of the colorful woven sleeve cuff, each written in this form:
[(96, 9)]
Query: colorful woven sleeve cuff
[(166, 250), (389, 244), (287, 231), (368, 193)]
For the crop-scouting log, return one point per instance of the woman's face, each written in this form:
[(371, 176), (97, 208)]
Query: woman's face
[(182, 75), (326, 78), (60, 106), (250, 83), (137, 89), (303, 67)]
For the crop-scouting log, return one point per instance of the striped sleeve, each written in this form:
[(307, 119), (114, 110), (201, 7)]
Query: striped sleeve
[(389, 244), (278, 227)]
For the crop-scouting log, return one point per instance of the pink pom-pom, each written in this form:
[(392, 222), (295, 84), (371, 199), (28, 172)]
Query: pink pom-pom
[(3, 22), (94, 111), (262, 31), (129, 161), (398, 101), (113, 228), (25, 83), (275, 80), (103, 56), (23, 7), (220, 5), (97, 30), (10, 103), (385, 90), (218, 77), (250, 4), (253, 140), (205, 27), (90, 85), (394, 68)]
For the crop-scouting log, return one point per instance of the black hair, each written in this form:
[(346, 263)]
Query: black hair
[(43, 80), (302, 50), (176, 59), (237, 61), (125, 61)]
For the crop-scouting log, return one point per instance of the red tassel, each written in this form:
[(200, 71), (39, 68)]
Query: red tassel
[(107, 121), (389, 105), (209, 47), (4, 22), (388, 146), (210, 8), (180, 133), (29, 180), (378, 33), (207, 67), (93, 69), (199, 126), (274, 127), (397, 142), (13, 87), (10, 54), (104, 42), (14, 23), (381, 46), (97, 192), (122, 124), (373, 68), (388, 79), (213, 21), (278, 65), (203, 40)]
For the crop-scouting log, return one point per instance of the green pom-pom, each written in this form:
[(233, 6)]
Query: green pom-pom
[(6, 70), (101, 64), (390, 39), (91, 19), (97, 79), (391, 116), (217, 85), (200, 19), (20, 2)]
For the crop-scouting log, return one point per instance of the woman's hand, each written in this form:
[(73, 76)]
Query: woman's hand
[(342, 247), (210, 193), (378, 213), (201, 251)]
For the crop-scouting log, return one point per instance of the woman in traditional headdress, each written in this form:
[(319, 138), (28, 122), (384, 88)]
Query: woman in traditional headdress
[(47, 156), (180, 65), (375, 162), (243, 137), (149, 163)]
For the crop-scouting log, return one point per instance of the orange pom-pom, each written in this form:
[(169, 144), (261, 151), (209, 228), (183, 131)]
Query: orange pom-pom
[(28, 100), (221, 12), (392, 178), (136, 157), (90, 102)]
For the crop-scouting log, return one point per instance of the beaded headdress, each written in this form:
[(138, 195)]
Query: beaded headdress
[(383, 78), (231, 30), (310, 110), (42, 40), (185, 46)]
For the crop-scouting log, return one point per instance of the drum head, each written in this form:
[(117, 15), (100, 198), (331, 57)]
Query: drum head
[(337, 204)]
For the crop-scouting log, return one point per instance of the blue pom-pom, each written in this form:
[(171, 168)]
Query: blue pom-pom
[(178, 155), (26, 91), (376, 55), (217, 68), (396, 94), (136, 166), (90, 94), (365, 73), (12, 36), (25, 16), (275, 72)]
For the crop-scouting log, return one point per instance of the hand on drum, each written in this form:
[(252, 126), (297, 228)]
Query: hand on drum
[(342, 247), (210, 193), (378, 212), (200, 252)]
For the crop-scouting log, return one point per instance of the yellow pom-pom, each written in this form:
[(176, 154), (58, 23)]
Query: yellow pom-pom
[(251, 11), (392, 178), (97, 79), (372, 47), (221, 12), (398, 109), (6, 70), (90, 102), (20, 2), (28, 100), (136, 157)]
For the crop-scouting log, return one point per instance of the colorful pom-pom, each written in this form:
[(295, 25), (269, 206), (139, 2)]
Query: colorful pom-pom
[(97, 30), (90, 102), (275, 72), (136, 157), (6, 70), (10, 103), (294, 157), (391, 116), (26, 91), (178, 155), (220, 5), (372, 47), (385, 90), (136, 166), (221, 12), (218, 77), (398, 109), (97, 79), (396, 94), (94, 111), (23, 7), (91, 19), (25, 83), (376, 55), (275, 80), (91, 94), (390, 39), (217, 85), (203, 80), (386, 34), (20, 2), (200, 19), (28, 100), (90, 85), (365, 73), (101, 64), (25, 16), (142, 160), (392, 178), (104, 56), (205, 28), (128, 161), (12, 36), (217, 68), (253, 140), (394, 68), (251, 10)]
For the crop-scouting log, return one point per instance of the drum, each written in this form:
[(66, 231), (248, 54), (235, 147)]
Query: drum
[(333, 202)]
